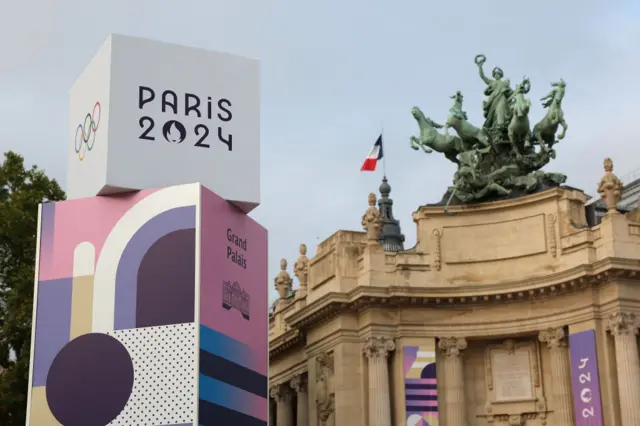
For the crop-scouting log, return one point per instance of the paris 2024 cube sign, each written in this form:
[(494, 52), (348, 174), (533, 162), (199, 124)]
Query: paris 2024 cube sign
[(146, 114), (151, 311)]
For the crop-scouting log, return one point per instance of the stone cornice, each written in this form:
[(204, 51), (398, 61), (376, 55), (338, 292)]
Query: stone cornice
[(329, 340), (519, 202), (284, 377), (362, 298), (285, 341), (320, 310), (552, 285), (499, 328)]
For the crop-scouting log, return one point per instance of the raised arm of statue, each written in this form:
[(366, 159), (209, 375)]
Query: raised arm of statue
[(480, 60)]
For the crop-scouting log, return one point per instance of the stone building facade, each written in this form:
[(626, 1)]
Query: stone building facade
[(513, 312)]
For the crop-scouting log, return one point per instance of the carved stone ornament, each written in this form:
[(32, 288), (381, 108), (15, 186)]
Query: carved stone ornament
[(516, 421), (283, 281), (452, 346), (372, 221), (623, 323), (299, 383), (437, 255), (551, 230), (301, 268), (610, 187), (375, 347), (281, 393), (554, 337), (510, 346), (325, 395)]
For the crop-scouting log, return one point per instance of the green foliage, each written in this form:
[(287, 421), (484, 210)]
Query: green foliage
[(21, 191)]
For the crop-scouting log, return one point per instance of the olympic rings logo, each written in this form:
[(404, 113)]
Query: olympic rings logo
[(86, 132)]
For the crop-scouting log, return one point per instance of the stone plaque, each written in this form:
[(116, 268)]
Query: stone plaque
[(494, 241), (512, 374)]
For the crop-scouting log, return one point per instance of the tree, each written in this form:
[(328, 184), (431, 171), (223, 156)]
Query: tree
[(21, 191)]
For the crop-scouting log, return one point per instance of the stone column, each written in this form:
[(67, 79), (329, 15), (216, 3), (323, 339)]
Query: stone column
[(299, 385), (272, 412), (624, 327), (556, 341), (454, 397), (377, 349), (284, 410)]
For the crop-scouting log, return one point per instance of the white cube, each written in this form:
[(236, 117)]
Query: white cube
[(146, 114)]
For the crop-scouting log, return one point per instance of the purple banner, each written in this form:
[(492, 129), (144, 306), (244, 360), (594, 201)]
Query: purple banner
[(585, 382)]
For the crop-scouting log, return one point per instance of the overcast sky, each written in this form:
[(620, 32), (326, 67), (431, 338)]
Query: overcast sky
[(332, 72)]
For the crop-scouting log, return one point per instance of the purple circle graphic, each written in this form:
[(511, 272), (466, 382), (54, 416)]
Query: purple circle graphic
[(90, 381), (429, 371)]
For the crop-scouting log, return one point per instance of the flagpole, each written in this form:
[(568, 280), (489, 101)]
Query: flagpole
[(384, 156)]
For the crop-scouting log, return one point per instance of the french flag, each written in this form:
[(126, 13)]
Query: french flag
[(375, 154)]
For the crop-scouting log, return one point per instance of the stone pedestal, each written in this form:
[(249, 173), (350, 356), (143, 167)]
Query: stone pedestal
[(377, 349), (299, 385), (556, 341), (454, 398), (283, 396), (624, 328)]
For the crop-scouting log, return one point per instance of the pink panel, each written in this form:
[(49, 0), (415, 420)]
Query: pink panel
[(75, 221), (242, 261)]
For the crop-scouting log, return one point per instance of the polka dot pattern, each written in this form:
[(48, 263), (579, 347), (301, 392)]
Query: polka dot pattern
[(164, 375)]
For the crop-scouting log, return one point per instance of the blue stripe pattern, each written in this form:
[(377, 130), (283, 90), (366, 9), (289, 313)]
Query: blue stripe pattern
[(226, 371), (215, 415), (224, 346), (229, 388), (220, 393)]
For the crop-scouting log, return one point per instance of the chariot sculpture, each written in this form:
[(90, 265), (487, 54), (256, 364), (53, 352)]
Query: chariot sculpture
[(502, 158)]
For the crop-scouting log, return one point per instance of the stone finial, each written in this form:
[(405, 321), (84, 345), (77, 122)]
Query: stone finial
[(553, 337), (372, 221), (610, 187), (301, 269), (283, 282)]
